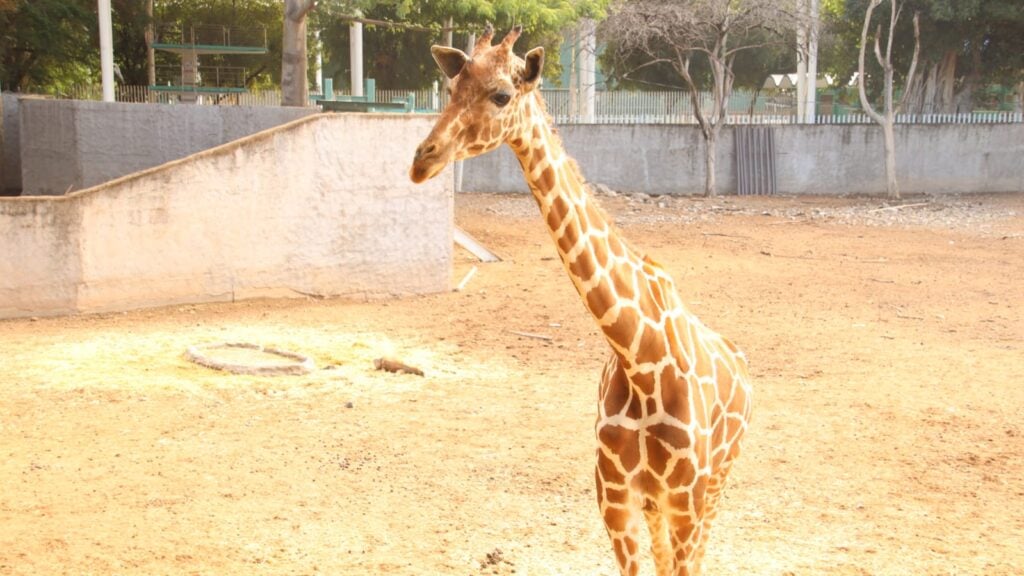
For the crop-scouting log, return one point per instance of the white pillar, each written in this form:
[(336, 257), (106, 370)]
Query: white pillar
[(574, 74), (801, 67), (457, 165), (588, 69), (318, 70), (355, 48), (106, 51), (810, 112)]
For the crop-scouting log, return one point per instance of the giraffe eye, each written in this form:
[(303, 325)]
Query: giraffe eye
[(501, 98)]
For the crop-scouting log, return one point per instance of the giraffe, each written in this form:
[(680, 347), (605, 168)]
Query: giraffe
[(675, 397)]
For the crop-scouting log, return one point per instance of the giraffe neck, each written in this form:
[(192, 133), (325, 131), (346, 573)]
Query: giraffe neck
[(627, 294)]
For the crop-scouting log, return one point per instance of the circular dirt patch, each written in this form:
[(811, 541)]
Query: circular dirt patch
[(246, 358)]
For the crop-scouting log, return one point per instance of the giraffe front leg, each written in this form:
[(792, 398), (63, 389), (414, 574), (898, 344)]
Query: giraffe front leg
[(713, 493), (661, 543), (621, 518), (687, 527), (685, 532)]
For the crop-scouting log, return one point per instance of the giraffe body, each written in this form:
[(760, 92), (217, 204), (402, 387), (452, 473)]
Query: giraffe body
[(674, 398)]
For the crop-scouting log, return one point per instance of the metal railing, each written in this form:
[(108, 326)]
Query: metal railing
[(211, 35), (205, 77), (611, 107)]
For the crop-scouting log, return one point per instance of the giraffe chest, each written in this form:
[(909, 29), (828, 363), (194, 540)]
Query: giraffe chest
[(650, 457), (661, 435)]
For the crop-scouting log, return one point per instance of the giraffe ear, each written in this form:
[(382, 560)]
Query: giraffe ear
[(534, 65), (450, 60)]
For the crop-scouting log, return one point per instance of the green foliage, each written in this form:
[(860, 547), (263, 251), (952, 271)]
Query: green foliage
[(247, 16), (398, 56), (46, 42)]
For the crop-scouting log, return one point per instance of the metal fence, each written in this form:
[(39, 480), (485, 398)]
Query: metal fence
[(203, 77), (613, 107), (178, 34)]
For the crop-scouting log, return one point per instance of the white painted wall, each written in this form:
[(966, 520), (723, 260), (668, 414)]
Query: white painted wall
[(322, 206)]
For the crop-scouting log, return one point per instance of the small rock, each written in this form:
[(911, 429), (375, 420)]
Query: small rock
[(604, 190)]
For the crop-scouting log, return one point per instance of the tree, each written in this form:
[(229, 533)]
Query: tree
[(886, 119), (247, 18), (396, 32), (965, 46), (294, 58), (131, 22), (47, 42), (708, 33)]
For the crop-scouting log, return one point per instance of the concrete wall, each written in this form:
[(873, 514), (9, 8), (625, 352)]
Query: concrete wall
[(74, 144), (809, 159), (322, 206)]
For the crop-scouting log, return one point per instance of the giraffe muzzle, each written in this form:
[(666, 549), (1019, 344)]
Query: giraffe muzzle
[(424, 150), (427, 162)]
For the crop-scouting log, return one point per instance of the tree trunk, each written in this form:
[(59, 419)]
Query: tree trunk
[(946, 81), (892, 187), (710, 155), (294, 85), (930, 89), (964, 103), (150, 56), (887, 117)]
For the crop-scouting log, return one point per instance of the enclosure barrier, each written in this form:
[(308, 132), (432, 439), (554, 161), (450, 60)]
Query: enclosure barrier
[(611, 107), (306, 209)]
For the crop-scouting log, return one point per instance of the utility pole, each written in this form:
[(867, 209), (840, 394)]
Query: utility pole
[(106, 51)]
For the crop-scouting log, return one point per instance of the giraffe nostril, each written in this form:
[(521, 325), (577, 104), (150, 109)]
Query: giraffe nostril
[(428, 150)]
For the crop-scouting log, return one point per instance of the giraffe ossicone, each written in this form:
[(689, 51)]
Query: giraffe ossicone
[(675, 396)]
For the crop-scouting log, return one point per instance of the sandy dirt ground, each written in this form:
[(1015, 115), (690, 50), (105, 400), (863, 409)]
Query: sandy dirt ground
[(887, 347)]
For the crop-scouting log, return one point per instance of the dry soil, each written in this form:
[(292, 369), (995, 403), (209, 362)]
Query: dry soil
[(888, 437)]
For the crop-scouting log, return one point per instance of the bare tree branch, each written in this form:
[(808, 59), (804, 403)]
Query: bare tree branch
[(878, 48), (686, 30), (861, 79), (894, 16), (913, 63)]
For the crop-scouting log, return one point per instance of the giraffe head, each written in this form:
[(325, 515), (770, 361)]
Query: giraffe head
[(488, 92)]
